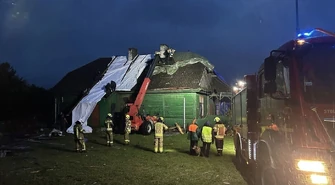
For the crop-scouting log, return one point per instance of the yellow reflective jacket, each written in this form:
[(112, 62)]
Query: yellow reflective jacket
[(159, 129), (206, 134), (219, 130), (78, 131), (109, 124)]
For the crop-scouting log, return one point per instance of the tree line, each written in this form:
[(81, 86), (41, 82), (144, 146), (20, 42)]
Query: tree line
[(21, 102)]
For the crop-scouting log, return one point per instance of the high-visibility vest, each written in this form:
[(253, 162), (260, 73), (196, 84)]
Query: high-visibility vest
[(193, 128), (220, 130), (159, 129), (206, 134)]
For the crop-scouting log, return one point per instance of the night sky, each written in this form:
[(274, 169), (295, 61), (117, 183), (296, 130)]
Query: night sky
[(45, 39)]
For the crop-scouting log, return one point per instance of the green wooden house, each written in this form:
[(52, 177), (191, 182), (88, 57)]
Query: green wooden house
[(185, 90), (190, 88)]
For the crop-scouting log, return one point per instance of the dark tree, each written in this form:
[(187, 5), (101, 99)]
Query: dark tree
[(22, 103)]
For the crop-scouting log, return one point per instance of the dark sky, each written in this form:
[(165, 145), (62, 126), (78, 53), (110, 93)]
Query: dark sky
[(45, 39)]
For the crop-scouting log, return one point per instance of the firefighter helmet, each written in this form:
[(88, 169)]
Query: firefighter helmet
[(160, 119), (109, 115), (216, 119), (127, 116)]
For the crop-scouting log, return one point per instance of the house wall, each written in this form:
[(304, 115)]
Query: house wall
[(171, 107)]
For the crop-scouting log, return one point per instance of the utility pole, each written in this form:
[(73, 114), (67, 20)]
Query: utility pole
[(297, 16)]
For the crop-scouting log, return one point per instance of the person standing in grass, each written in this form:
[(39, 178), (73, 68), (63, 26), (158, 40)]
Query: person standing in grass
[(109, 129), (127, 130), (207, 138), (159, 132), (193, 136), (219, 131), (79, 137)]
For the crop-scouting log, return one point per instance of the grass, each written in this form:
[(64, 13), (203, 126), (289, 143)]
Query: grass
[(56, 163)]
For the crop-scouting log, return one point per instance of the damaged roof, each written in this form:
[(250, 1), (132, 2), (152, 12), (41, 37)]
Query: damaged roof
[(190, 71), (187, 77), (186, 73), (76, 81)]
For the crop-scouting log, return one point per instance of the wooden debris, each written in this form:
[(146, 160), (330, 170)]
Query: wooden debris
[(179, 128), (172, 128)]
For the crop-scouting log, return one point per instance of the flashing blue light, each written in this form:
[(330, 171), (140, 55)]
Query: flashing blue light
[(306, 34)]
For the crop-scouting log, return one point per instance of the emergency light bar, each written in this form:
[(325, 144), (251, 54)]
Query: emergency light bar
[(322, 32)]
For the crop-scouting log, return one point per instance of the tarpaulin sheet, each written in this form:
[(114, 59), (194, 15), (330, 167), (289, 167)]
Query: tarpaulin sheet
[(124, 73)]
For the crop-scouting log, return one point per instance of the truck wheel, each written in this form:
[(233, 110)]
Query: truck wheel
[(238, 155), (268, 176), (146, 128), (264, 173)]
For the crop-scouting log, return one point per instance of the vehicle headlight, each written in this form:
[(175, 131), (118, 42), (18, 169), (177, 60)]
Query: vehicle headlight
[(311, 166), (319, 179)]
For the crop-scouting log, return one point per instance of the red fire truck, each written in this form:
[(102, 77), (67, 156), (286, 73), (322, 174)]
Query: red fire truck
[(293, 92)]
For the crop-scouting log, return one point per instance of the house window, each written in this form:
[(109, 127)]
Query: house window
[(201, 107)]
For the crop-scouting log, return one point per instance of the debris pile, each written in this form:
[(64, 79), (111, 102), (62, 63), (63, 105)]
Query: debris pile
[(182, 59)]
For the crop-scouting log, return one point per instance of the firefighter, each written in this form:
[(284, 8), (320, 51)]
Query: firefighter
[(272, 126), (109, 129), (127, 130), (207, 138), (79, 137), (159, 132), (219, 131), (193, 136)]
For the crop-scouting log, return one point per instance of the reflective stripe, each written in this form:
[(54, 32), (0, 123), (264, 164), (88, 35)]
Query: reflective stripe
[(128, 126)]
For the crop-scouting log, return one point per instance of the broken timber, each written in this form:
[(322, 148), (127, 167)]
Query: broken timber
[(179, 128)]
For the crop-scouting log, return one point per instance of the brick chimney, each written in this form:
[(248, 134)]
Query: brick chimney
[(132, 54)]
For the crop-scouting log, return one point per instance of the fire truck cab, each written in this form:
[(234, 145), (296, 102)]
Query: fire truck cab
[(294, 92)]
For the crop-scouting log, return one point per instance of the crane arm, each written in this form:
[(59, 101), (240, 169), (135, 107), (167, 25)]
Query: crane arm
[(134, 108)]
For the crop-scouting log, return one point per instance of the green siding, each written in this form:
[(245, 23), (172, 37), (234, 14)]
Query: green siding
[(170, 106)]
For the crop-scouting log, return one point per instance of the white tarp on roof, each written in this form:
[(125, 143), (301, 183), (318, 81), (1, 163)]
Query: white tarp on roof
[(124, 73), (136, 69)]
